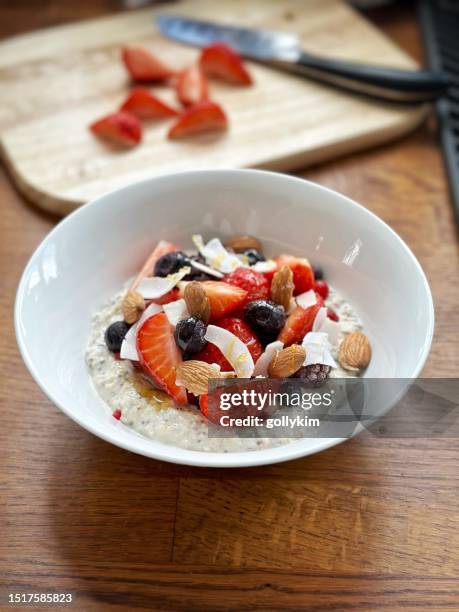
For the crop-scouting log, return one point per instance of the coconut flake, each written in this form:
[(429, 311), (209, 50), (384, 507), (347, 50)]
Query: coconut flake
[(318, 347), (216, 255), (233, 349), (323, 324), (176, 311), (206, 269), (262, 364), (129, 344), (153, 287), (264, 266), (307, 299)]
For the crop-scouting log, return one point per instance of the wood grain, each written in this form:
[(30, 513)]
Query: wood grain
[(371, 524), (56, 82)]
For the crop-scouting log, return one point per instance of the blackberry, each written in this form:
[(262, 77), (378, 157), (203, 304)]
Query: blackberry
[(189, 335), (114, 335), (315, 374), (171, 263), (266, 318), (253, 256)]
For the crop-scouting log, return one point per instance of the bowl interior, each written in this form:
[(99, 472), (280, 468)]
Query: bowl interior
[(91, 254)]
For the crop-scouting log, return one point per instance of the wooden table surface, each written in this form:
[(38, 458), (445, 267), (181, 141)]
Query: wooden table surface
[(370, 524)]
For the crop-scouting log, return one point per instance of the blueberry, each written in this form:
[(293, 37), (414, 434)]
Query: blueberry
[(253, 256), (195, 274), (318, 273), (189, 335), (170, 263), (114, 335), (266, 318)]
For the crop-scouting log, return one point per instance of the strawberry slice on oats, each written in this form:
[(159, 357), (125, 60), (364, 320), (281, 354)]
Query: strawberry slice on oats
[(159, 355)]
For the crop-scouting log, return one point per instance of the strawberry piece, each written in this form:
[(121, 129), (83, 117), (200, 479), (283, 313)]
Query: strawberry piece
[(160, 249), (159, 355), (120, 128), (171, 296), (206, 116), (303, 275), (191, 85), (321, 288), (212, 354), (224, 298), (221, 61), (204, 404), (142, 65), (255, 283), (143, 105), (299, 323)]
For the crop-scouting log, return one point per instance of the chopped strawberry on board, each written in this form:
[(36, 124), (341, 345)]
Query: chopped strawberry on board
[(160, 249), (220, 60), (119, 128), (303, 275), (159, 355), (299, 323), (144, 105), (142, 65), (224, 298), (191, 85), (255, 283), (206, 116), (238, 327)]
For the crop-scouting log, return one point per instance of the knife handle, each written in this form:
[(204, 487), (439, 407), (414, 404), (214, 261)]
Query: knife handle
[(412, 86)]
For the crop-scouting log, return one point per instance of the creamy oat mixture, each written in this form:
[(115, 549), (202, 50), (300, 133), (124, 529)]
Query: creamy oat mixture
[(152, 413)]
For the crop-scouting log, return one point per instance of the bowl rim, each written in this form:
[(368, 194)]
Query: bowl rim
[(176, 454)]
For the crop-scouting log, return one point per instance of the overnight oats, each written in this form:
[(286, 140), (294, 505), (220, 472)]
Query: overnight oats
[(222, 311)]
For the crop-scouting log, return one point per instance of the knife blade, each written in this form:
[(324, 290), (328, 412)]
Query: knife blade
[(282, 51), (253, 44)]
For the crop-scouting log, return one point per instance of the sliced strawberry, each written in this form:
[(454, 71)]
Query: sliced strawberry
[(255, 283), (321, 287), (191, 85), (171, 296), (206, 116), (160, 249), (299, 323), (143, 105), (204, 404), (220, 60), (142, 65), (303, 275), (224, 298), (159, 355), (212, 354), (120, 128)]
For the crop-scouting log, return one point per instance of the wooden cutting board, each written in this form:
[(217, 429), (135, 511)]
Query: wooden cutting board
[(55, 82)]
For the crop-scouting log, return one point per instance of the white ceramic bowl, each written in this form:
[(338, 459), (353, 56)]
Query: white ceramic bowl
[(91, 253)]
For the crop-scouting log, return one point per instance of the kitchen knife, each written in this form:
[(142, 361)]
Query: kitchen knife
[(282, 50)]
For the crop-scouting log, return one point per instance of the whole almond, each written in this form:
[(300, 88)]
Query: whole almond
[(287, 361), (194, 375), (282, 287), (132, 306), (197, 302), (239, 244), (355, 352)]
